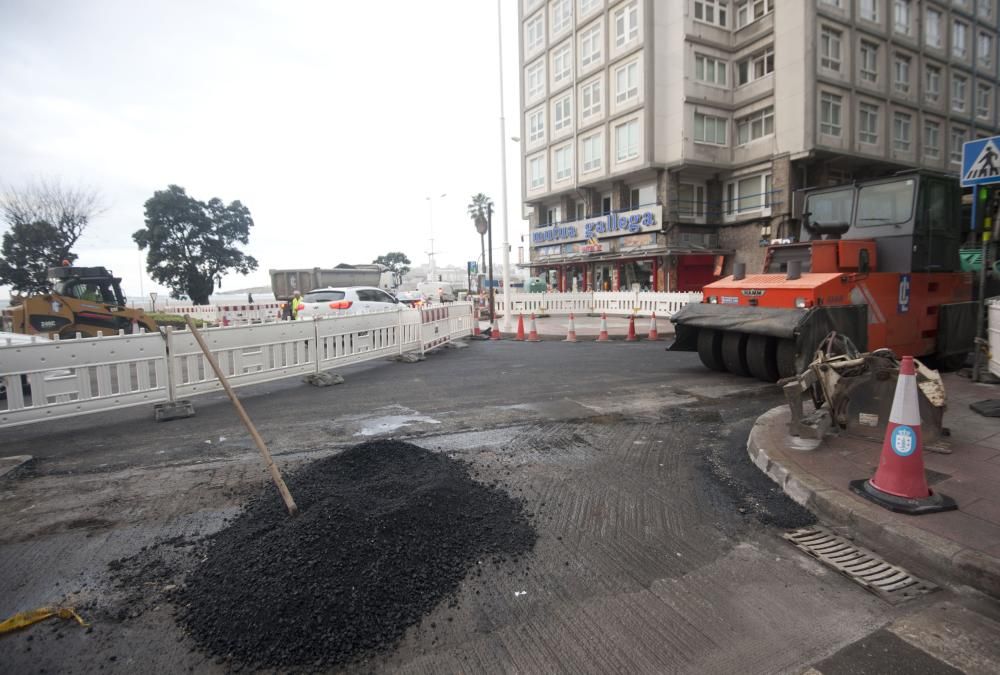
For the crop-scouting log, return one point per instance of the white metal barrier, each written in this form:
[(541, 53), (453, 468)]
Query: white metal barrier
[(230, 315), (65, 378), (621, 303), (994, 335)]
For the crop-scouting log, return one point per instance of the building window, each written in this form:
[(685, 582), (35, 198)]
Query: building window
[(564, 162), (755, 67), (591, 95), (829, 114), (709, 69), (534, 31), (626, 24), (590, 45), (709, 129), (562, 63), (562, 16), (932, 140), (868, 123), (829, 49), (958, 139), (901, 129), (869, 10), (901, 74), (588, 6), (627, 83), (711, 11), (748, 194), (536, 126), (932, 29), (958, 92), (536, 172), (869, 61), (593, 150), (959, 33), (627, 141), (833, 3), (901, 16), (985, 9), (534, 76), (552, 215), (932, 90), (691, 201), (755, 125), (985, 51), (748, 11), (984, 100), (580, 209), (562, 113)]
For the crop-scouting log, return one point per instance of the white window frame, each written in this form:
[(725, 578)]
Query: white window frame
[(562, 113), (626, 20), (594, 91), (756, 66), (868, 133), (959, 45), (959, 92), (631, 128), (901, 65), (737, 206), (932, 130), (712, 12), (591, 44), (831, 113), (592, 153), (562, 17), (705, 65), (536, 172), (868, 10), (902, 131), (831, 48), (932, 74), (535, 79), (693, 208), (535, 25), (984, 49), (868, 61), (748, 11), (958, 138), (562, 53), (585, 7), (536, 126), (984, 111), (902, 16), (715, 122), (763, 118), (932, 28), (562, 160), (984, 9), (631, 81)]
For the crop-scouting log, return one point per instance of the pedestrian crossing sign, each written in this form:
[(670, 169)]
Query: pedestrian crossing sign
[(981, 162)]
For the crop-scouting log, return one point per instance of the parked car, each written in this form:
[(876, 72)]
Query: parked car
[(411, 298), (345, 301), (437, 291)]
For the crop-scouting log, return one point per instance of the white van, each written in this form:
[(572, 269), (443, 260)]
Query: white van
[(437, 291)]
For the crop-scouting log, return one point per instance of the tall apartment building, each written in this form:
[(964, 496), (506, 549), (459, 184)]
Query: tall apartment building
[(664, 139)]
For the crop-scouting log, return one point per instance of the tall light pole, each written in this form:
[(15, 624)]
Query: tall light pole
[(503, 179), (430, 256)]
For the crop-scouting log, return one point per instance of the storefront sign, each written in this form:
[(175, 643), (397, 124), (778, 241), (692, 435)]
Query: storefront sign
[(611, 225), (635, 241), (590, 246), (548, 250)]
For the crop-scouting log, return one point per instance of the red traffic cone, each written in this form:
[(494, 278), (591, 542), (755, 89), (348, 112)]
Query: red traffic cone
[(495, 332), (533, 332), (571, 332), (475, 328), (520, 328), (603, 337), (899, 483), (653, 333), (631, 330)]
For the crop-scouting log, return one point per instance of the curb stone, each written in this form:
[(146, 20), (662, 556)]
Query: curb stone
[(878, 530)]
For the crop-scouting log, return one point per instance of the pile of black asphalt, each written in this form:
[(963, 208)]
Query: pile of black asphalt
[(386, 532)]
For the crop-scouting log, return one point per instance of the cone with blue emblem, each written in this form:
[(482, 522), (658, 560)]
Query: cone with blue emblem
[(899, 483)]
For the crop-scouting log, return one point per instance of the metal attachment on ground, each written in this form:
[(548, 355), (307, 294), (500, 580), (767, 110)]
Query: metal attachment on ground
[(653, 335), (899, 483), (603, 337), (856, 391), (286, 496), (495, 330), (631, 330), (409, 357), (173, 410), (520, 328), (890, 582), (571, 330), (533, 332), (323, 379)]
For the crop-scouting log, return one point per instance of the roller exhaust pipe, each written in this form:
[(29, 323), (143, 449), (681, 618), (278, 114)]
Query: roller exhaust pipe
[(794, 270), (739, 271)]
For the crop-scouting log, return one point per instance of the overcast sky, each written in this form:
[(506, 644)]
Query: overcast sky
[(332, 121)]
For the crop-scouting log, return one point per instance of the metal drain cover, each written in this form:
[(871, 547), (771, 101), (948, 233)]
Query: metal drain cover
[(890, 582)]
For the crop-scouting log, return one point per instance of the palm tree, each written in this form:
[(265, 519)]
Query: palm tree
[(478, 206)]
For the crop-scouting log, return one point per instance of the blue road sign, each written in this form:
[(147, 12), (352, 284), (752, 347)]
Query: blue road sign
[(981, 162)]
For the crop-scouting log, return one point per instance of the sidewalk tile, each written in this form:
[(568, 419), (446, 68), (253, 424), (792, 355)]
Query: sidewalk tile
[(983, 508), (959, 527)]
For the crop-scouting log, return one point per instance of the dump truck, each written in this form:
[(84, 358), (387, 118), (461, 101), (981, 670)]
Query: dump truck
[(876, 261), (84, 301), (284, 282)]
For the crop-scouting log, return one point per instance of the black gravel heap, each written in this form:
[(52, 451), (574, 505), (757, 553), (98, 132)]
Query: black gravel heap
[(386, 531)]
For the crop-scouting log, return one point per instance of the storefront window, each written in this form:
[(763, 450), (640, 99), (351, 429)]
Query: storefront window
[(637, 275)]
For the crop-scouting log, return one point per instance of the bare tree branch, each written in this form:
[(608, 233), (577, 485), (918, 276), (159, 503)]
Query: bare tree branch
[(68, 208)]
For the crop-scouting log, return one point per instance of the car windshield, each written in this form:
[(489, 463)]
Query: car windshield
[(886, 204), (323, 296), (831, 208)]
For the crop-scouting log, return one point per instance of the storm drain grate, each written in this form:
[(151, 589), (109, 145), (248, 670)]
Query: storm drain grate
[(891, 583)]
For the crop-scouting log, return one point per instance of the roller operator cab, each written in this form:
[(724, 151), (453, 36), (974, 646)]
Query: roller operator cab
[(877, 261)]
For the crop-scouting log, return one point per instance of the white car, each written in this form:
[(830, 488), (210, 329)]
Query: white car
[(346, 301)]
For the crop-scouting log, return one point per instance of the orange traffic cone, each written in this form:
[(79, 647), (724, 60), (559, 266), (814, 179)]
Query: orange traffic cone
[(495, 332), (520, 328), (631, 330), (653, 333), (475, 328), (571, 332), (603, 337), (899, 483), (533, 332)]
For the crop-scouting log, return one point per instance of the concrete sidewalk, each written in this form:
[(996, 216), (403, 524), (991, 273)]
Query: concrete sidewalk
[(589, 326), (961, 546)]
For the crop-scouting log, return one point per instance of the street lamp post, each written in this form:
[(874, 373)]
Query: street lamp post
[(503, 184), (431, 267)]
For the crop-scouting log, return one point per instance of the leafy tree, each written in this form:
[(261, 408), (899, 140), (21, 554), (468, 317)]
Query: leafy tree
[(397, 263), (192, 243), (28, 250), (479, 205), (66, 208)]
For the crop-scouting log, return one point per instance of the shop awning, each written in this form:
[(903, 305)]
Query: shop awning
[(620, 255)]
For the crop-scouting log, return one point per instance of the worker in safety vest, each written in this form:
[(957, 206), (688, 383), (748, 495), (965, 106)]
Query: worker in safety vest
[(293, 305)]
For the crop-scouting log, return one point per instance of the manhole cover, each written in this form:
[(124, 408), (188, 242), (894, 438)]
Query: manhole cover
[(890, 582)]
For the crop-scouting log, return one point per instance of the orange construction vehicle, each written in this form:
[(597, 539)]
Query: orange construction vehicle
[(877, 261)]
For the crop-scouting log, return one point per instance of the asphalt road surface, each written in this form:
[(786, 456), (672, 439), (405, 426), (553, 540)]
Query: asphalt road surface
[(658, 547)]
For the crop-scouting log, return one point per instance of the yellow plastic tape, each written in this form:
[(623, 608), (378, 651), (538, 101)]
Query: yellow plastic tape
[(25, 619)]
